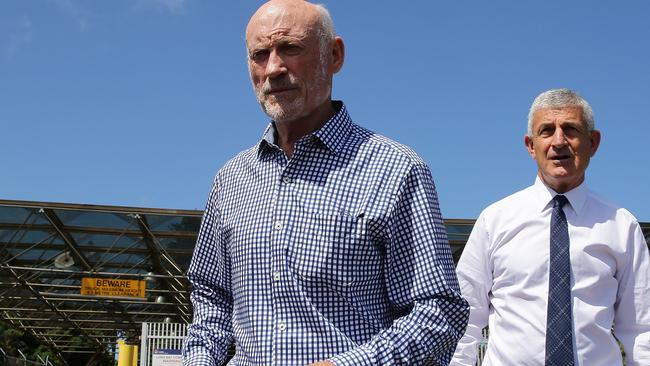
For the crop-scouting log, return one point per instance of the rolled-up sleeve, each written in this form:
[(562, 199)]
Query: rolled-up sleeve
[(632, 319)]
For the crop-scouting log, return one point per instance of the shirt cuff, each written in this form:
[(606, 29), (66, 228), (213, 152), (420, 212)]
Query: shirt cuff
[(360, 356), (199, 359)]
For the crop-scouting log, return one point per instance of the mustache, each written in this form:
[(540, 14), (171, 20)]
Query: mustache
[(271, 85)]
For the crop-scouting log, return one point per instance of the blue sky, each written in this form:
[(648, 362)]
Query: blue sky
[(140, 102)]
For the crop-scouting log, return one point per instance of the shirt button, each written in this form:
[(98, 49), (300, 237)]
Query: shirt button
[(282, 327), (276, 276), (286, 180), (278, 225)]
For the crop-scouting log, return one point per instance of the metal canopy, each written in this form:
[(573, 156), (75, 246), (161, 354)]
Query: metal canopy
[(47, 248)]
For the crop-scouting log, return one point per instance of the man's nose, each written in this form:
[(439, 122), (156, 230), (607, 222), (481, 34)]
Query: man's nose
[(559, 138), (275, 65)]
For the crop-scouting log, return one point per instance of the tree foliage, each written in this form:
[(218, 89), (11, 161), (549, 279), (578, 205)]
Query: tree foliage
[(13, 339)]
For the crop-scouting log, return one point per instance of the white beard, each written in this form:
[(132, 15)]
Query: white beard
[(281, 110)]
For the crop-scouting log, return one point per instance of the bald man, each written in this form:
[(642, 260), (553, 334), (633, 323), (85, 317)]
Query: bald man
[(323, 243)]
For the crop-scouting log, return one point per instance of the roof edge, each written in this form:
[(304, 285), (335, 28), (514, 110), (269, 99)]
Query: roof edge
[(99, 208)]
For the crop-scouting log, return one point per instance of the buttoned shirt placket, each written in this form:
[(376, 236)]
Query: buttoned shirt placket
[(281, 233)]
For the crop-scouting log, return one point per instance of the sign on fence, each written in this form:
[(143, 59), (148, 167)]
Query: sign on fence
[(166, 357)]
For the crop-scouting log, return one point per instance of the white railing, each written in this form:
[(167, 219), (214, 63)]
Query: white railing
[(482, 346), (160, 336)]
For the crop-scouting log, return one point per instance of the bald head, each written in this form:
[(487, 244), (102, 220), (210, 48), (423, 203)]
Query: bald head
[(291, 14)]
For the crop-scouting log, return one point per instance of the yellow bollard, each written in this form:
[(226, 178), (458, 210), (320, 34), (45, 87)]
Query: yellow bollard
[(135, 355), (126, 354)]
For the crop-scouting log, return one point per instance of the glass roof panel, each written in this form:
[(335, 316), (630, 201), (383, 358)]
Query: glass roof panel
[(106, 240), (125, 268), (93, 219), (34, 254), (458, 231), (124, 260), (464, 229), (457, 237), (178, 244), (21, 215), (183, 262), (29, 236), (173, 223)]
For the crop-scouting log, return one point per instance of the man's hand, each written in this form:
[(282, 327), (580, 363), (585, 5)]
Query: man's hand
[(322, 363)]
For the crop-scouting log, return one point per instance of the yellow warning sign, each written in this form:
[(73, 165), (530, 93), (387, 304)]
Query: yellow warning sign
[(111, 287)]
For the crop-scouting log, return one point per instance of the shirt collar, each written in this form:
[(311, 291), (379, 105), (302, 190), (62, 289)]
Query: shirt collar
[(336, 130), (576, 197), (333, 134)]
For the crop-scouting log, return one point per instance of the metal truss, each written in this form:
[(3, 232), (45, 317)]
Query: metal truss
[(45, 300)]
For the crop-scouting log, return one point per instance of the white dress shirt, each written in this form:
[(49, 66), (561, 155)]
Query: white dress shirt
[(503, 273)]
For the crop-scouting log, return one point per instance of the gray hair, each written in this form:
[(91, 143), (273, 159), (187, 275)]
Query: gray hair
[(325, 29), (561, 98)]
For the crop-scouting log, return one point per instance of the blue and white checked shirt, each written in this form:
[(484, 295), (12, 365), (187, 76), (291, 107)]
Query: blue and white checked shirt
[(339, 253)]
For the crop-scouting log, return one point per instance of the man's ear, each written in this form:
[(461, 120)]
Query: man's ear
[(338, 54), (594, 137), (528, 141)]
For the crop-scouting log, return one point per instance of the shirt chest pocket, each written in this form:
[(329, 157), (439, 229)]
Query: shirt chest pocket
[(334, 249)]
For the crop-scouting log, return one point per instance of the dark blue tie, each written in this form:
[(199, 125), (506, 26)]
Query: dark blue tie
[(559, 332)]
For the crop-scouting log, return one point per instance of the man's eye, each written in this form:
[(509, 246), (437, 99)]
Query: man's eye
[(546, 132), (259, 56), (570, 130), (291, 50)]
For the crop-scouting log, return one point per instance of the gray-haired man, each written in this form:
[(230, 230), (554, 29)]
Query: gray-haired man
[(552, 268)]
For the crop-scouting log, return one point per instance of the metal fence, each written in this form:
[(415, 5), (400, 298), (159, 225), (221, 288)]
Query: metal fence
[(157, 336), (482, 346), (6, 360), (170, 336)]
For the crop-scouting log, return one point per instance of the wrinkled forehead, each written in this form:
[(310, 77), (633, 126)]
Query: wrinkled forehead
[(278, 22), (559, 114), (566, 111)]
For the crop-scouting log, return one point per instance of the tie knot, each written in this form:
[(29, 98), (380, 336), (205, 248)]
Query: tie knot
[(559, 201)]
